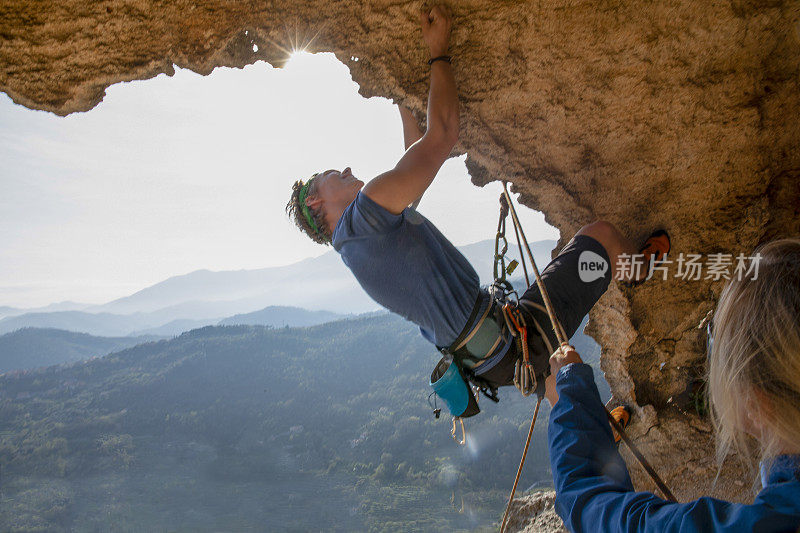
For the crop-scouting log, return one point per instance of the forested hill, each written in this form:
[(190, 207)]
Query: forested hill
[(246, 427), (35, 347)]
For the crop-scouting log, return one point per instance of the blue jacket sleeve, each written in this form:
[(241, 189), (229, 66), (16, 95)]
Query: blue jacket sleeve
[(594, 490)]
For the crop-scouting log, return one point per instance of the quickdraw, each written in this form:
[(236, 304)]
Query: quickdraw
[(524, 374), (501, 287)]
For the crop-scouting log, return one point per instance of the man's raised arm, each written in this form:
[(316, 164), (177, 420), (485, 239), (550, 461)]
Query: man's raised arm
[(411, 131), (408, 180)]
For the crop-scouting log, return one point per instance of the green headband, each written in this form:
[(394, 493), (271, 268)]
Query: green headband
[(306, 210)]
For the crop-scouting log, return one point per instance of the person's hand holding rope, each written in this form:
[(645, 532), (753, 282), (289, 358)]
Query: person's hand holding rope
[(563, 356)]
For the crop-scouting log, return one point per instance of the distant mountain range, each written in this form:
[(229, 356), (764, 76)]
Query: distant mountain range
[(281, 316), (319, 283), (204, 298), (6, 311), (35, 347)]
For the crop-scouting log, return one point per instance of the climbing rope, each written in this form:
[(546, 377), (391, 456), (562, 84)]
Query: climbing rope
[(522, 257), (521, 463), (560, 335), (506, 206)]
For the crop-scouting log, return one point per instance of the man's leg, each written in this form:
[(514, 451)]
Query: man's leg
[(577, 277), (574, 280), (571, 297), (614, 242), (615, 245)]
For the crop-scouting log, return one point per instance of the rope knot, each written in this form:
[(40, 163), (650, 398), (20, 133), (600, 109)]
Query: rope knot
[(503, 206)]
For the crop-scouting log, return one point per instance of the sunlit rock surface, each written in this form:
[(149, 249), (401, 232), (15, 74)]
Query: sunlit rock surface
[(677, 114), (534, 513)]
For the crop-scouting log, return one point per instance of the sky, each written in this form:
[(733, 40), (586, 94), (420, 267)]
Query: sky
[(175, 174)]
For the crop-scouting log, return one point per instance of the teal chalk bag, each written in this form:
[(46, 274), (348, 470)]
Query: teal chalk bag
[(449, 384)]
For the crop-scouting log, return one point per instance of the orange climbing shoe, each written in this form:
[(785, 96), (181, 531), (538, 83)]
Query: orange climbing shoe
[(657, 243), (622, 415), (656, 247)]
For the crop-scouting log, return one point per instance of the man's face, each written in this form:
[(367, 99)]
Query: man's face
[(337, 188)]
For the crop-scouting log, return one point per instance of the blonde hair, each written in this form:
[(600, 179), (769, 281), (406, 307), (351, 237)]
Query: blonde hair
[(754, 364)]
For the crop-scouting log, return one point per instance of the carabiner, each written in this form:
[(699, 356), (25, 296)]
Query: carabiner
[(524, 377)]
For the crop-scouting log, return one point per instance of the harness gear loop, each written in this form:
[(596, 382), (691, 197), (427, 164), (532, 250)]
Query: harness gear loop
[(463, 438), (562, 338)]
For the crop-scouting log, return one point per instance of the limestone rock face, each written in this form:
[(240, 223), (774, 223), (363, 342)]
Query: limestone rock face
[(534, 513), (675, 114)]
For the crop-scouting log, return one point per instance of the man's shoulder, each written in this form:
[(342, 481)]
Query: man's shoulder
[(364, 217), (364, 202)]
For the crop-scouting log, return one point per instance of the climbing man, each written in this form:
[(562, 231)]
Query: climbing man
[(405, 264)]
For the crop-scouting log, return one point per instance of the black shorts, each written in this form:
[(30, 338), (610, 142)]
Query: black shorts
[(575, 280)]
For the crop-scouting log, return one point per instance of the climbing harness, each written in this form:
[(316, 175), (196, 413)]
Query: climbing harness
[(495, 322), (453, 378)]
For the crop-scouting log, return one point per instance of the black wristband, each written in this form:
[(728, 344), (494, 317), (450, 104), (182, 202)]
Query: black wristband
[(439, 58)]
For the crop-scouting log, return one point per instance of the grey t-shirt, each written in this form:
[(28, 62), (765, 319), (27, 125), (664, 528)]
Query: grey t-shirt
[(405, 264)]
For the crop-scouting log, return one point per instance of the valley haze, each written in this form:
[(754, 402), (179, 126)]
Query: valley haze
[(203, 297)]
